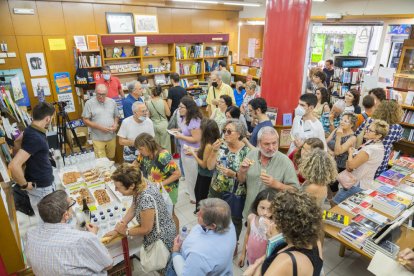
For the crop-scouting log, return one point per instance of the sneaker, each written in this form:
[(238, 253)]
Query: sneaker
[(176, 155), (182, 178)]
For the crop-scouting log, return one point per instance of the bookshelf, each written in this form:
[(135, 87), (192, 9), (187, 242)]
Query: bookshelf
[(240, 72)]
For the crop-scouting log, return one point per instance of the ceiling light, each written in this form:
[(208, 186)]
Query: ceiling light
[(318, 0), (197, 1), (246, 4), (255, 22)]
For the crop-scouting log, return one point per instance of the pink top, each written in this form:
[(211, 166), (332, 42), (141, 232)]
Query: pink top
[(257, 242)]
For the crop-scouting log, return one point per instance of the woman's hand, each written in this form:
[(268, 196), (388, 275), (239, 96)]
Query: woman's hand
[(351, 151), (254, 269), (111, 234), (177, 244), (242, 259), (406, 258), (121, 227), (226, 171), (216, 145), (339, 132), (245, 164)]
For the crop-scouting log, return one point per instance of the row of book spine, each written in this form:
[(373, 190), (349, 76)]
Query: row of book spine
[(94, 61)]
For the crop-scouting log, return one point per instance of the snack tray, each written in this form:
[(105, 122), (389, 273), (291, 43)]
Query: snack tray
[(101, 185)]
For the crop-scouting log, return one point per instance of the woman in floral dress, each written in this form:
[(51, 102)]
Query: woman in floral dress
[(158, 166)]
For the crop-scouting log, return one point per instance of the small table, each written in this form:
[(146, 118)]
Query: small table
[(406, 239)]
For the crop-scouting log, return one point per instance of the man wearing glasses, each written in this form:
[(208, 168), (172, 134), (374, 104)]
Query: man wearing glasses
[(55, 248), (101, 116), (112, 83)]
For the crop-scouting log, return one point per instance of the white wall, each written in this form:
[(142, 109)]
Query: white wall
[(345, 7)]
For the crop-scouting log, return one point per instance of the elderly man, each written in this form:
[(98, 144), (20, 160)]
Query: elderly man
[(266, 167), (217, 88), (101, 116), (133, 126), (55, 248), (209, 248), (226, 75), (135, 93), (112, 83)]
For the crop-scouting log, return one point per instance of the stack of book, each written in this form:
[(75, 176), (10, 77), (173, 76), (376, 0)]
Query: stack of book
[(224, 50), (367, 223), (357, 203), (356, 234), (392, 204), (335, 219), (385, 246)]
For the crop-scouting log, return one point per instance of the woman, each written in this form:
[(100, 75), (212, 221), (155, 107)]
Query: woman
[(129, 181), (340, 141), (219, 114), (364, 162), (159, 111), (391, 112), (209, 134), (299, 218), (189, 136), (318, 80), (352, 101), (323, 102), (158, 166), (319, 170), (251, 94), (226, 158), (233, 112)]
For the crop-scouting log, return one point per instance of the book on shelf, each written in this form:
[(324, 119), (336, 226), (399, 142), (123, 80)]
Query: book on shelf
[(92, 41), (409, 98), (367, 223), (375, 216), (210, 51), (356, 234), (188, 69), (387, 247), (80, 42), (335, 219), (186, 52)]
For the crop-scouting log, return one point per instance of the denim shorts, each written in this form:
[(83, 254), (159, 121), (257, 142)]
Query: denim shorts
[(343, 194)]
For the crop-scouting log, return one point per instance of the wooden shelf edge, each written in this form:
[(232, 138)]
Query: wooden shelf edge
[(407, 107), (157, 56), (126, 73), (157, 73), (122, 58), (407, 124), (91, 67)]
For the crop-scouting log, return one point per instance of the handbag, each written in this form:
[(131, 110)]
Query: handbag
[(236, 202), (167, 199), (346, 179), (155, 256), (173, 122)]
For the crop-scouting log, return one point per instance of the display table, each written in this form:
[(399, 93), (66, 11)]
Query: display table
[(406, 239)]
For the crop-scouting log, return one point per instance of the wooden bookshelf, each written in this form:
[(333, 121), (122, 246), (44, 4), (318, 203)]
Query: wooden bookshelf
[(126, 73), (122, 58), (156, 73)]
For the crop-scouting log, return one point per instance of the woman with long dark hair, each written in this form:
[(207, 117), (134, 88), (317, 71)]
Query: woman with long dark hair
[(209, 134), (189, 137), (352, 101), (323, 102)]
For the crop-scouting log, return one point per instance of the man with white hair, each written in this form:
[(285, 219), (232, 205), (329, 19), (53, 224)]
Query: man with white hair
[(135, 93), (133, 126), (331, 121), (266, 167), (101, 116), (217, 88)]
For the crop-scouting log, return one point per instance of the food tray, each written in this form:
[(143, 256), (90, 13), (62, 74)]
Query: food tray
[(101, 186), (73, 192), (69, 170)]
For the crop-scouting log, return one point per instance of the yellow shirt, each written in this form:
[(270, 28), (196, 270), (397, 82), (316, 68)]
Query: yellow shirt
[(215, 93)]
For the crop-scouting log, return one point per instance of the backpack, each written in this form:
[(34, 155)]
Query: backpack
[(22, 201), (81, 78)]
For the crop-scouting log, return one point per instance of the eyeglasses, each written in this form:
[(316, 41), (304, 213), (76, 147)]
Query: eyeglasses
[(368, 130), (72, 203), (181, 106), (100, 95), (228, 131)]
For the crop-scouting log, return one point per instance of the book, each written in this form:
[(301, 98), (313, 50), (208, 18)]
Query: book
[(385, 246), (405, 162), (409, 98), (356, 234), (376, 217), (80, 42), (92, 41), (385, 189), (393, 174), (274, 242), (335, 219), (367, 223)]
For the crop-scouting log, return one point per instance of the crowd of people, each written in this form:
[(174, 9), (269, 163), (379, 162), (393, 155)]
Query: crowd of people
[(231, 168)]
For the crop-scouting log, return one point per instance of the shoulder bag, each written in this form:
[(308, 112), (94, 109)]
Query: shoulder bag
[(155, 256), (346, 179), (236, 202), (157, 111)]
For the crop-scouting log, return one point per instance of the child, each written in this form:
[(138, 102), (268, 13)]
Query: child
[(255, 241)]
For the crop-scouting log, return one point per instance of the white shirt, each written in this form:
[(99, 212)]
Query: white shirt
[(306, 129), (365, 173)]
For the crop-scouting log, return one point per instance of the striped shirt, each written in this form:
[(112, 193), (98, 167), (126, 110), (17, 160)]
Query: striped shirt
[(58, 249)]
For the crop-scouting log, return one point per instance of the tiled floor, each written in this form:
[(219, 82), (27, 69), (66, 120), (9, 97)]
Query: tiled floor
[(351, 264)]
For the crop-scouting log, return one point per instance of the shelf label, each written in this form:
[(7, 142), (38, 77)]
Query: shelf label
[(140, 40), (217, 39), (122, 41)]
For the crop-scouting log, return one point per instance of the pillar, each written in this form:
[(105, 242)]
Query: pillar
[(285, 38)]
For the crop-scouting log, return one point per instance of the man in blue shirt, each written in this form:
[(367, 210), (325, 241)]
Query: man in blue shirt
[(135, 92), (257, 110), (239, 93), (209, 248)]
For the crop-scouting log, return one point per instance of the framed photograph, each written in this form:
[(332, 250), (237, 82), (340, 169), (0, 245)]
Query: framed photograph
[(37, 64), (146, 23), (120, 23)]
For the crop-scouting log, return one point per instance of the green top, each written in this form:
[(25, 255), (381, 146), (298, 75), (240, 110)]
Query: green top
[(230, 160), (226, 77), (279, 167), (156, 108)]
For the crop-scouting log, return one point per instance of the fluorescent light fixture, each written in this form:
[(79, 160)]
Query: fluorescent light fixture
[(246, 4), (197, 1), (255, 22), (318, 0)]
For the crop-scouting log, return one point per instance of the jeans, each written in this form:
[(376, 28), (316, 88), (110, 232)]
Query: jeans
[(343, 194), (170, 268), (36, 194)]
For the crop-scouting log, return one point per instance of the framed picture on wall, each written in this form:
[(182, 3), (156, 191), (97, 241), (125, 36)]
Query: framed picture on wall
[(37, 64), (146, 23), (120, 23)]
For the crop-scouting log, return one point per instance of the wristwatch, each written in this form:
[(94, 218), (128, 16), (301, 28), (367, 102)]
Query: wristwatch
[(23, 187), (127, 232)]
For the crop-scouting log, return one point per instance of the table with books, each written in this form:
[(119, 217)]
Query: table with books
[(379, 218)]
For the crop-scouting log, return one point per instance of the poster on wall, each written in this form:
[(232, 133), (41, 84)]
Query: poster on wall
[(40, 83), (37, 64), (68, 99), (318, 47), (146, 23), (5, 79), (62, 82), (251, 47), (17, 88)]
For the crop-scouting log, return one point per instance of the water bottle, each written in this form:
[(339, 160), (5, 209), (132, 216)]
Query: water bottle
[(103, 225), (112, 221), (223, 161), (117, 213), (184, 233), (263, 227)]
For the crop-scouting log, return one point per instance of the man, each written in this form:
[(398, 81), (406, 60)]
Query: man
[(368, 102), (257, 110), (112, 83), (226, 75), (209, 248), (175, 93), (378, 94), (55, 248), (37, 175), (266, 167), (133, 126), (305, 124), (217, 88), (146, 94), (239, 92), (135, 93), (101, 116), (329, 71)]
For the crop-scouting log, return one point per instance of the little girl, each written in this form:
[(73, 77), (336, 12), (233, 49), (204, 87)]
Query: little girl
[(255, 241)]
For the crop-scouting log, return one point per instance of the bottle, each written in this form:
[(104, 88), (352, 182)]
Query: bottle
[(117, 213), (184, 233), (103, 224), (86, 211), (263, 226), (112, 221)]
